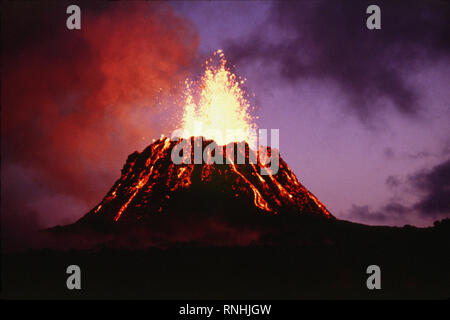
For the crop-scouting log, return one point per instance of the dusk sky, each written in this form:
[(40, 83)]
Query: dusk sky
[(363, 114)]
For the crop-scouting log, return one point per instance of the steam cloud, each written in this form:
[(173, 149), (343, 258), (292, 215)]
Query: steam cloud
[(328, 40), (74, 101)]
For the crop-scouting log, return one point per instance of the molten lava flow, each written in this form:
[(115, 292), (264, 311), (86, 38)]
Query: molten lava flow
[(221, 112), (258, 199), (151, 184), (140, 184)]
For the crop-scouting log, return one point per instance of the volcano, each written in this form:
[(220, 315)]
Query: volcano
[(218, 198), (237, 197)]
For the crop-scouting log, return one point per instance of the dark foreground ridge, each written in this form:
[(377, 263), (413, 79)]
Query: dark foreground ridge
[(223, 231), (414, 264)]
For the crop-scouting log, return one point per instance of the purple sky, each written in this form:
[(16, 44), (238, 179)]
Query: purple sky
[(345, 154), (363, 115)]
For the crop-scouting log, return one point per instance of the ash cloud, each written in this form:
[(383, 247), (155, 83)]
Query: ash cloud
[(393, 182), (75, 103), (435, 184), (328, 40), (392, 212), (433, 192)]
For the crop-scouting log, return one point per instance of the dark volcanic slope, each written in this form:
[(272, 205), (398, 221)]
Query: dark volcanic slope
[(151, 184)]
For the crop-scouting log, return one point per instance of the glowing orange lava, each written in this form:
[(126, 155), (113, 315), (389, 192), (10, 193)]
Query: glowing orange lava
[(221, 111)]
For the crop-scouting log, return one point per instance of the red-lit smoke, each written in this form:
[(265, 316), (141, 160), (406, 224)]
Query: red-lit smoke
[(74, 102)]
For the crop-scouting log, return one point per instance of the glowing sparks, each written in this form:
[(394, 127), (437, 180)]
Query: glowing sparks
[(221, 110)]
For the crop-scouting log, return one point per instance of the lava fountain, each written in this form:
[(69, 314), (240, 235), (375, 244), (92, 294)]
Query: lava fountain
[(217, 107)]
